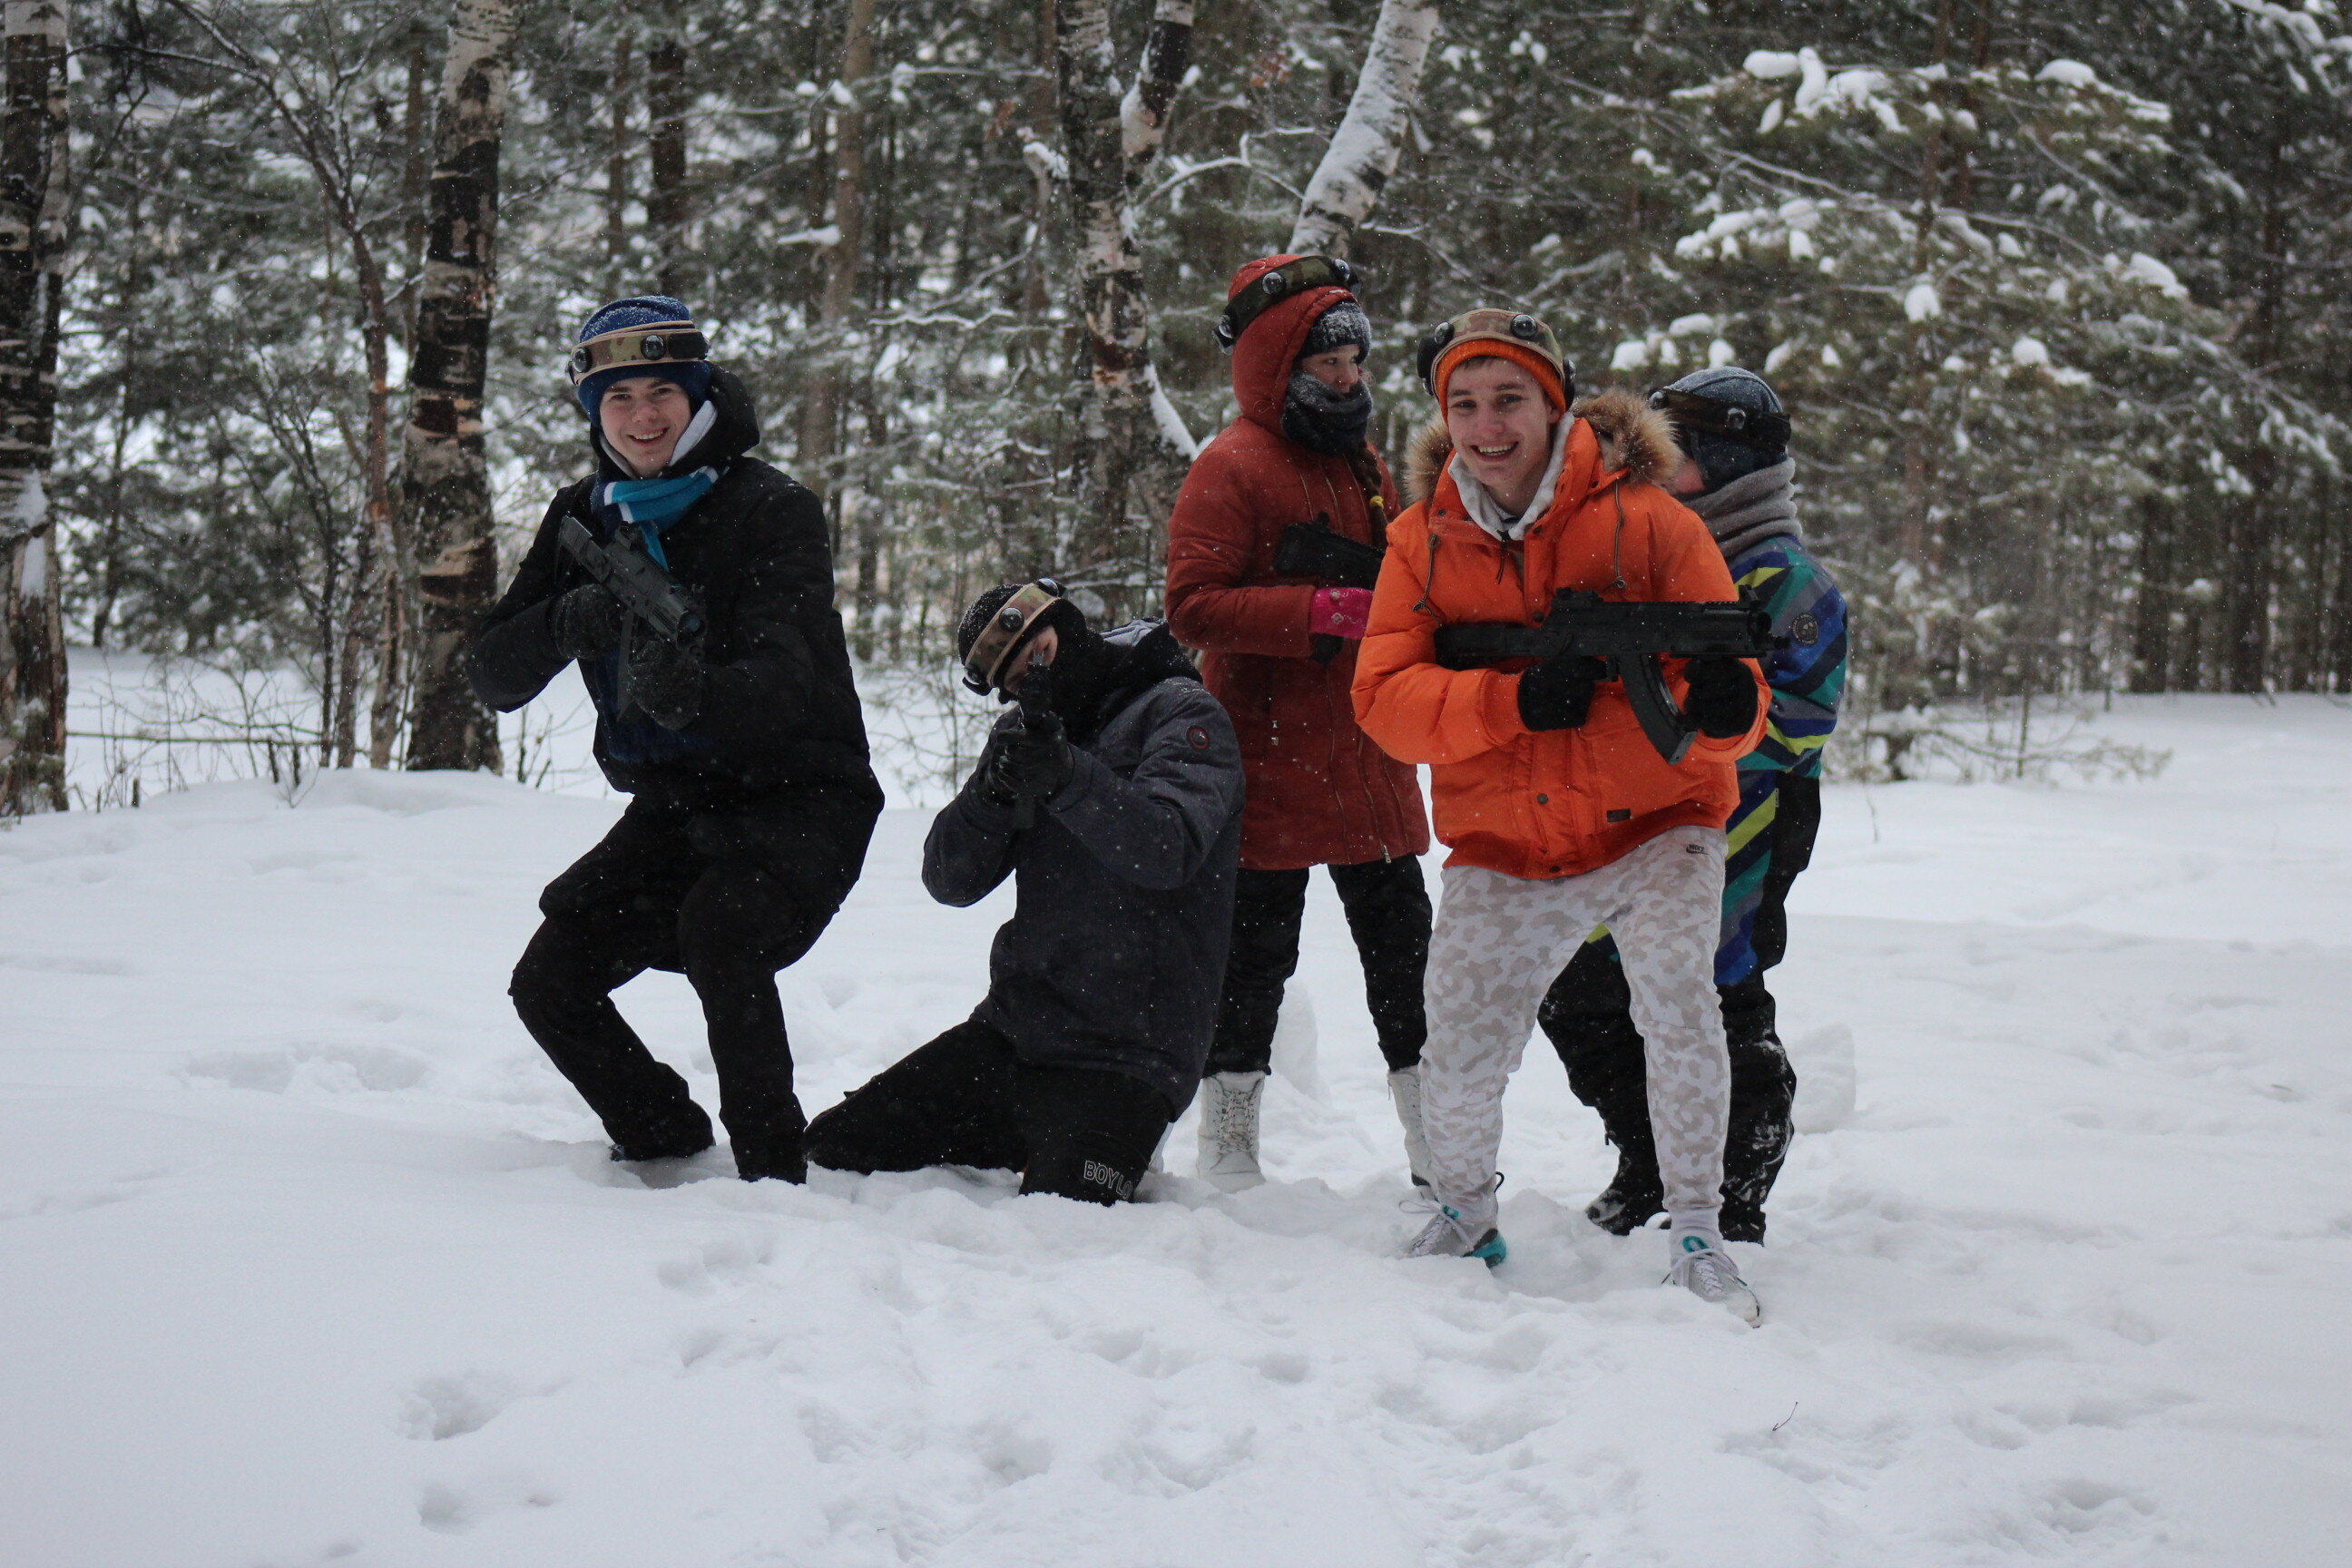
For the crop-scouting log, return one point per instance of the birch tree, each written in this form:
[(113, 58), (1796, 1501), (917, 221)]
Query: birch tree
[(445, 472), (33, 226), (1108, 141), (1363, 151)]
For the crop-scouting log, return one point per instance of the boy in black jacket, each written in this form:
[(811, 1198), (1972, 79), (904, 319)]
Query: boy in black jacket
[(1116, 807), (742, 744)]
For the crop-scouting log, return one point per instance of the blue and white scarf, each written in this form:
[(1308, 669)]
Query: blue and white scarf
[(654, 504)]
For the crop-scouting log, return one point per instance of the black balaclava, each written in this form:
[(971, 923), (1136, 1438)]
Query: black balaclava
[(1723, 459), (1318, 418), (1085, 665)]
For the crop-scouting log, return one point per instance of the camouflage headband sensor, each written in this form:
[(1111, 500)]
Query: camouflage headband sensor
[(1011, 626), (664, 342), (1492, 326)]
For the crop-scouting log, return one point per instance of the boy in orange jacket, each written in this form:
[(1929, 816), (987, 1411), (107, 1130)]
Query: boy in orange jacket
[(1561, 815)]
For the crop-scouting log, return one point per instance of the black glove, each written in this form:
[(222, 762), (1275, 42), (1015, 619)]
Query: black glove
[(586, 623), (666, 681), (1030, 762), (1557, 693), (1722, 700)]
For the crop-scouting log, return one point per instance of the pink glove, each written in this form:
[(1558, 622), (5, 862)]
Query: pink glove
[(1341, 612)]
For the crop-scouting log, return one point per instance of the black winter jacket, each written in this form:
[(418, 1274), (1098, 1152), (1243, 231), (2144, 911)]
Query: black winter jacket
[(1115, 954), (782, 708)]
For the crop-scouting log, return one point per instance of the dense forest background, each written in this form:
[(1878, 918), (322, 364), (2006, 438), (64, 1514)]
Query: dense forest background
[(2057, 294)]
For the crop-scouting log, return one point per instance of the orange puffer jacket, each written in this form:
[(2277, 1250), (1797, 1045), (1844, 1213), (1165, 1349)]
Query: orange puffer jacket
[(1561, 801)]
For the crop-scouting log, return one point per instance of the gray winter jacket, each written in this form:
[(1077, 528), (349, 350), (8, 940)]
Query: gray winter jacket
[(1115, 954)]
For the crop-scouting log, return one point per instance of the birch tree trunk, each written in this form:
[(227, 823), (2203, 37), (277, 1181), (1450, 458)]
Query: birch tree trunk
[(1363, 151), (445, 472), (34, 194), (1107, 144)]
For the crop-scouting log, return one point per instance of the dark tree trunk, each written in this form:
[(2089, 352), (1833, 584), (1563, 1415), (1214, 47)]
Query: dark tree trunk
[(34, 221), (616, 174), (820, 406), (445, 471), (666, 205)]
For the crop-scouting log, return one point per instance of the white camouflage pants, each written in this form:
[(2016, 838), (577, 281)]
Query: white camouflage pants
[(1498, 944)]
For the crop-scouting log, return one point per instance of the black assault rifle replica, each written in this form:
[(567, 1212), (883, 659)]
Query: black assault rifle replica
[(1332, 559), (1627, 638), (649, 593)]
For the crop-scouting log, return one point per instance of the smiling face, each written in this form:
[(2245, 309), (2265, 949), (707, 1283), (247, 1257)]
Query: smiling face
[(642, 417), (1502, 428), (1341, 369)]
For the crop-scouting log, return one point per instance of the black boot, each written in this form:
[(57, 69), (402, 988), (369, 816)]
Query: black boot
[(681, 1136), (1763, 1101), (777, 1150), (1587, 1016), (1634, 1197)]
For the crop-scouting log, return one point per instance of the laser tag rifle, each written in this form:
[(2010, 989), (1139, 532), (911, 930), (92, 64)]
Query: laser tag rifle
[(1306, 550), (649, 593), (1035, 710), (1629, 638), (1313, 550)]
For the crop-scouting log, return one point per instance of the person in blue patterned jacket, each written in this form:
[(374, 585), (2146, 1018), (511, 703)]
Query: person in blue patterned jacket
[(1737, 475)]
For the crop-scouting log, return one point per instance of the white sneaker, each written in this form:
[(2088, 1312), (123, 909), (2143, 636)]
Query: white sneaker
[(1229, 1102), (1448, 1234), (1709, 1274), (1404, 1088)]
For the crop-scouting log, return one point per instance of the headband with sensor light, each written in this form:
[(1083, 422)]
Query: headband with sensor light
[(1013, 625), (1751, 428), (1263, 292), (662, 342), (1491, 326)]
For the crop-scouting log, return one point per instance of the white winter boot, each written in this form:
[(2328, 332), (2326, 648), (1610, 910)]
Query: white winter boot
[(1229, 1102), (1404, 1088)]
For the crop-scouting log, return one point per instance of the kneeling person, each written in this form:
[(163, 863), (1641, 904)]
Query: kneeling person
[(1112, 796)]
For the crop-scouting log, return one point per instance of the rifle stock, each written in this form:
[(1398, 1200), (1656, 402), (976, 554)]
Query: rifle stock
[(1631, 638)]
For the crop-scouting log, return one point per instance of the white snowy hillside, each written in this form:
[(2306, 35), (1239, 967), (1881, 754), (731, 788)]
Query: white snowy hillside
[(307, 1256)]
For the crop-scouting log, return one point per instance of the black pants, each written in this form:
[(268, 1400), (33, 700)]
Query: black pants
[(966, 1099), (1588, 1016), (725, 899), (1387, 915)]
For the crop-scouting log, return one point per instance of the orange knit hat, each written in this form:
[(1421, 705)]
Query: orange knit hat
[(1547, 374)]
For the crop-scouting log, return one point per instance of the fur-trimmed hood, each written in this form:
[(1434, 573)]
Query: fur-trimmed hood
[(1633, 437)]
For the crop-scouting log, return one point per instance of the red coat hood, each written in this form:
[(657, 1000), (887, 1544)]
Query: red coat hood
[(1268, 351)]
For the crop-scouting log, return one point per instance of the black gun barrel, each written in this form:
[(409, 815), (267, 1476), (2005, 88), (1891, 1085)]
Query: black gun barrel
[(1332, 558), (648, 592), (1631, 637)]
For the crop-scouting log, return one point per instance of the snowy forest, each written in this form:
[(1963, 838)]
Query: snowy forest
[(2055, 294)]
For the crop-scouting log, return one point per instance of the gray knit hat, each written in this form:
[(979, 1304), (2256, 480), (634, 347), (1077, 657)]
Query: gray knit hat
[(1344, 323)]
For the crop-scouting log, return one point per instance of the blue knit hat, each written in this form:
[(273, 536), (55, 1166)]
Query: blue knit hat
[(641, 311)]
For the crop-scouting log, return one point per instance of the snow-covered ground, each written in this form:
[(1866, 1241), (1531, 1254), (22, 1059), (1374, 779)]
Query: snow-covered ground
[(307, 1256)]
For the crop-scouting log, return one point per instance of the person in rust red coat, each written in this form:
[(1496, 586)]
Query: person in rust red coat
[(1279, 650)]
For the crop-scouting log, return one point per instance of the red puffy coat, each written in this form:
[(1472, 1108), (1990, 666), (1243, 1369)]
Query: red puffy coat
[(1321, 792)]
